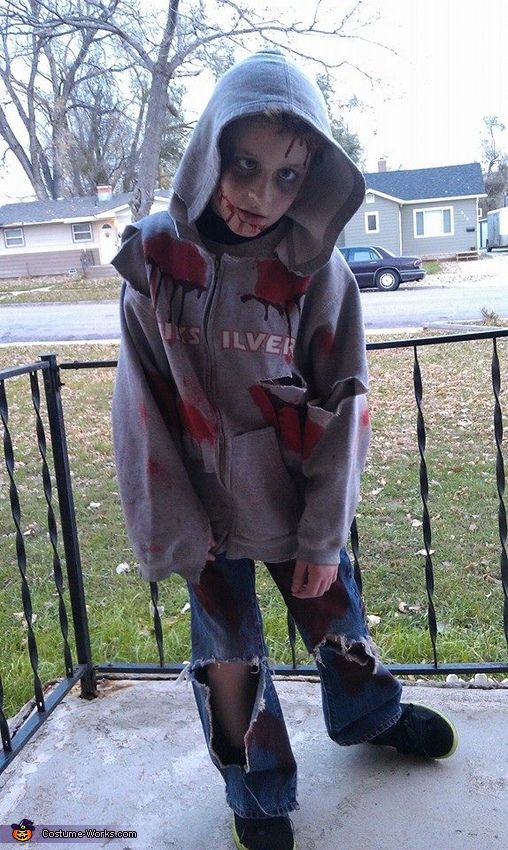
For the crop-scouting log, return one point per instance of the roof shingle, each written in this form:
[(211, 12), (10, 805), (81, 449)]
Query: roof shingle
[(447, 181), (33, 212)]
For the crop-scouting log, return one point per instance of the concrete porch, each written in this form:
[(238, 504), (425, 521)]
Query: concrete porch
[(135, 759)]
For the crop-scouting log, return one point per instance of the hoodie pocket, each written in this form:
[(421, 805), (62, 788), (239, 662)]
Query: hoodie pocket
[(263, 491)]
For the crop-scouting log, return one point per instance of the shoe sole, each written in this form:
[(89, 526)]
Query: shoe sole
[(241, 846), (450, 724)]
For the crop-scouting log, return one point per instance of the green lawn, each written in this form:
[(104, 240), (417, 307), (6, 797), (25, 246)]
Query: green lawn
[(463, 504), (59, 288)]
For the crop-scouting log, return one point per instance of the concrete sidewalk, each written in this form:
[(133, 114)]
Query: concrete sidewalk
[(135, 759)]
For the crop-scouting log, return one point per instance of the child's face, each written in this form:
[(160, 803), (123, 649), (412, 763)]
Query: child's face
[(263, 170)]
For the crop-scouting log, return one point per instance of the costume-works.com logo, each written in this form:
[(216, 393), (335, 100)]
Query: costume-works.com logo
[(23, 830)]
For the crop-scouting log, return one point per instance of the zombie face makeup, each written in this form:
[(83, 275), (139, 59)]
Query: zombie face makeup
[(263, 169)]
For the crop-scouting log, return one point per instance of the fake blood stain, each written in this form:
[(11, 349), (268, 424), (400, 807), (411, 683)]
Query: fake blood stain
[(278, 288), (176, 266), (297, 433)]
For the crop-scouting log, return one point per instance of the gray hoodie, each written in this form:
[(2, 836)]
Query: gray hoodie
[(239, 410)]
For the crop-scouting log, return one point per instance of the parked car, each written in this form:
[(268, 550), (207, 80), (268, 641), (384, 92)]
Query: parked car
[(375, 266)]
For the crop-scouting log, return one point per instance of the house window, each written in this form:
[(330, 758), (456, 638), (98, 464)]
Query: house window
[(437, 221), (369, 198), (372, 222), (82, 232), (14, 237)]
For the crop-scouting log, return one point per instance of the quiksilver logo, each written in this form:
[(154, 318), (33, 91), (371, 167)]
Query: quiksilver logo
[(257, 341)]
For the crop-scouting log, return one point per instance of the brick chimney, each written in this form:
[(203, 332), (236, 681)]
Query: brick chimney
[(381, 164), (104, 193)]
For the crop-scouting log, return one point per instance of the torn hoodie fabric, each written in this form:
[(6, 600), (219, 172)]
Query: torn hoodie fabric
[(239, 409)]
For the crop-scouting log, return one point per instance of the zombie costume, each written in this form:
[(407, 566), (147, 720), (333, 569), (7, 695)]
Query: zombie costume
[(240, 412), (240, 398)]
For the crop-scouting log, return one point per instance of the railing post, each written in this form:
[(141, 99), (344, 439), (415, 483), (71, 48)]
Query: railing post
[(500, 480), (424, 493), (52, 386)]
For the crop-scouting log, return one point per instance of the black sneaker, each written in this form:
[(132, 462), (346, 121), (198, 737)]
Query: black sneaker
[(420, 731), (263, 833)]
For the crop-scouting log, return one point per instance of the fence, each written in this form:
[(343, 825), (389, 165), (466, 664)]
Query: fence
[(57, 469)]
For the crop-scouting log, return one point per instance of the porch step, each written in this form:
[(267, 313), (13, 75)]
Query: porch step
[(467, 255), (100, 271)]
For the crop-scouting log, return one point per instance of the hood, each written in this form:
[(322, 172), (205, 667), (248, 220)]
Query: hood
[(333, 188)]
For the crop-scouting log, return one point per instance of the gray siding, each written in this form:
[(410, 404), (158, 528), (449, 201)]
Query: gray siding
[(41, 264), (355, 232), (464, 217)]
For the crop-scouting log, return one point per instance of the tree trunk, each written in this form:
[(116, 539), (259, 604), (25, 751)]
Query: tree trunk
[(148, 167), (156, 117)]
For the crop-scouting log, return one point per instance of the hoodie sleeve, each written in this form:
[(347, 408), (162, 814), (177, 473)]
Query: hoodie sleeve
[(166, 522), (330, 355)]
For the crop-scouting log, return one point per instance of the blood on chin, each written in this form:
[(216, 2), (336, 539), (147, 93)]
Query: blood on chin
[(231, 214), (245, 228)]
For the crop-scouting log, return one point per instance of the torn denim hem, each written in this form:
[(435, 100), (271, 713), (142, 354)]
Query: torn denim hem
[(377, 731), (345, 645), (292, 806)]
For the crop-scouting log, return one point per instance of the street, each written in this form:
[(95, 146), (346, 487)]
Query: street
[(426, 303), (459, 294)]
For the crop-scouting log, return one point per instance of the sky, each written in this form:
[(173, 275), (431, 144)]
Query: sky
[(450, 70), (437, 67)]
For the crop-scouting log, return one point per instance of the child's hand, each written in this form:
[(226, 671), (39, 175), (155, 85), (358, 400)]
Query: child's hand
[(311, 580)]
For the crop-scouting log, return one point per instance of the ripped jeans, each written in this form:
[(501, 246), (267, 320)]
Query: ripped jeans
[(360, 697)]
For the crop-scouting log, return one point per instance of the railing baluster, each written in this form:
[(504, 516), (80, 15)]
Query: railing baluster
[(4, 726), (20, 549), (52, 529), (424, 492), (154, 594), (500, 479), (292, 637), (355, 548)]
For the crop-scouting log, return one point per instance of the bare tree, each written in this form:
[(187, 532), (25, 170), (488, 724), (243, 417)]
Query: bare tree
[(103, 137), (340, 130), (495, 160), (190, 36)]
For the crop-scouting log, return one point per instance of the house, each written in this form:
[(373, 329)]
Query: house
[(64, 236), (427, 212)]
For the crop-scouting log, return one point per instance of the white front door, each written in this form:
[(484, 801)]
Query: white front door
[(107, 243)]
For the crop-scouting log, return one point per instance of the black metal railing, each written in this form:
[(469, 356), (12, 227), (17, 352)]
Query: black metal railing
[(81, 668)]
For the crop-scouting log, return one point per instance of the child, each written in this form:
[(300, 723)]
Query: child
[(241, 428)]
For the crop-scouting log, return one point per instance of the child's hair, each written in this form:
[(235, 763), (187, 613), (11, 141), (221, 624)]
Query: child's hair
[(283, 122), (286, 122)]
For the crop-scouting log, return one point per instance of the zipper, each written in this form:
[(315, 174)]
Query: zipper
[(210, 376)]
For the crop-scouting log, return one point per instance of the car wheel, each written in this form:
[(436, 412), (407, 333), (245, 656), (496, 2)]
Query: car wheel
[(387, 280)]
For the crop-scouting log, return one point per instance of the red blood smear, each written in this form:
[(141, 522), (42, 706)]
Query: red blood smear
[(317, 617), (180, 260), (143, 412), (200, 429), (216, 596), (154, 468), (268, 736), (365, 420), (326, 340), (291, 428), (260, 397), (164, 396), (277, 285)]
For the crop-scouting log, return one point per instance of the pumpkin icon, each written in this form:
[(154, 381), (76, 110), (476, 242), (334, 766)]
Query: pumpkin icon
[(23, 830)]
